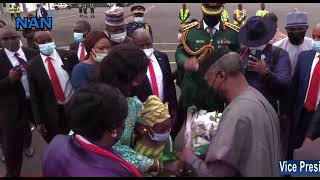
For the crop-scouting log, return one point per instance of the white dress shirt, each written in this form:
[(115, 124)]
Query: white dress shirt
[(39, 12), (216, 27), (294, 50), (314, 63), (79, 50), (63, 75), (158, 73), (14, 61)]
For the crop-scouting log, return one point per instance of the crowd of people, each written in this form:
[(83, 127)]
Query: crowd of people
[(108, 105)]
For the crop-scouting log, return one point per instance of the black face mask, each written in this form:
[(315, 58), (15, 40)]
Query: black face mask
[(296, 38), (11, 45), (212, 20)]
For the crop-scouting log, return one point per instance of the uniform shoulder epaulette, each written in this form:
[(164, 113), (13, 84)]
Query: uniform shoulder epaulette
[(232, 26), (188, 26)]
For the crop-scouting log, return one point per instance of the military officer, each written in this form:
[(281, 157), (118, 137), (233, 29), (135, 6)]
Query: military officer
[(138, 22), (197, 40)]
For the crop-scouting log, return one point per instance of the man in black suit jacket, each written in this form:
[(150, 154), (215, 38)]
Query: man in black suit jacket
[(15, 106), (49, 79), (161, 70), (41, 12), (81, 29)]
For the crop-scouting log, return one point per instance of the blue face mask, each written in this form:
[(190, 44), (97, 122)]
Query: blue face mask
[(138, 19), (316, 46), (159, 137), (47, 49), (78, 37)]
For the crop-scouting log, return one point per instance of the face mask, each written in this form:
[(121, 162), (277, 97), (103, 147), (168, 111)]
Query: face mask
[(99, 56), (212, 20), (47, 49), (159, 137), (78, 37), (118, 38), (179, 36), (11, 45), (148, 52), (296, 38), (138, 19), (316, 46)]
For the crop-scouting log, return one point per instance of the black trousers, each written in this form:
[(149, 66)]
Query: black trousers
[(92, 10), (181, 117), (12, 17), (298, 134), (14, 140), (60, 127)]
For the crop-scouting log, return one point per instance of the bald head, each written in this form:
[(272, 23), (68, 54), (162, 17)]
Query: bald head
[(42, 37), (142, 38), (316, 32), (229, 63)]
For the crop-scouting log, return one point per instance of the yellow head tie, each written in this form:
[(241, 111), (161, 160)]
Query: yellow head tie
[(154, 111), (211, 12)]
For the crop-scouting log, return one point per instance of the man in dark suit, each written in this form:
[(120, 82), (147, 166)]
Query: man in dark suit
[(41, 12), (304, 92), (15, 106), (159, 79), (81, 29), (50, 87)]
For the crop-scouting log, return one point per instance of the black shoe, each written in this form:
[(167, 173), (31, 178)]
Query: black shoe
[(29, 152)]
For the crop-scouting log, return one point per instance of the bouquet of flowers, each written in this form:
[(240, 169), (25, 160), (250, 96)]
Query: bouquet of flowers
[(201, 127)]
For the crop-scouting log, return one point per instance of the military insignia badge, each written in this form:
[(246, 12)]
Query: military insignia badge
[(200, 41)]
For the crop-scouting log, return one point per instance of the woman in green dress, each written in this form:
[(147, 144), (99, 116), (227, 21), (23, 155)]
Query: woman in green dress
[(125, 67)]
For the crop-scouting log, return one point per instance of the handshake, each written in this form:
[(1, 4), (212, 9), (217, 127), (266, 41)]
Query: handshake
[(179, 167)]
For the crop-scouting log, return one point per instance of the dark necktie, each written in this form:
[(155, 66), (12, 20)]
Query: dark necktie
[(22, 62)]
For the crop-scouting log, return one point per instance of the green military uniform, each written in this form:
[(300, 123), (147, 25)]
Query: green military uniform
[(194, 38)]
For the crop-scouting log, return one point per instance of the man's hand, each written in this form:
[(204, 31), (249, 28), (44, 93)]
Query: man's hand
[(306, 141), (184, 154), (15, 75), (258, 65), (191, 64), (42, 129), (174, 167)]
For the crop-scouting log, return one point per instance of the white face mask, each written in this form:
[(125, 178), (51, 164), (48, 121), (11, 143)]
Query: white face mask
[(118, 38), (179, 36), (148, 52), (259, 47), (138, 19), (99, 56)]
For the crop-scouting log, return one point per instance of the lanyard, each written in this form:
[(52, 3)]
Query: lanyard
[(89, 146)]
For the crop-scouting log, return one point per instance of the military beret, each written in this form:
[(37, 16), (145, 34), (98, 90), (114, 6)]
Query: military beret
[(297, 17), (137, 9), (114, 16), (212, 8)]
